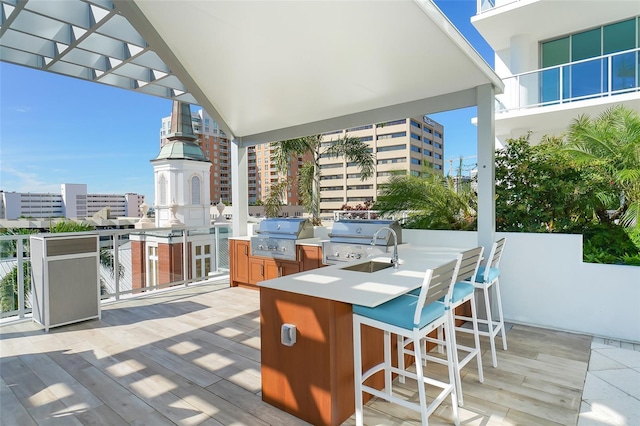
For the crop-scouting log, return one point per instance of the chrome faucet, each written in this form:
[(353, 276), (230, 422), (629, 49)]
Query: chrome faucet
[(394, 259)]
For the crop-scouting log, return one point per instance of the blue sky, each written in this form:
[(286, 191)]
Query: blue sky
[(56, 129)]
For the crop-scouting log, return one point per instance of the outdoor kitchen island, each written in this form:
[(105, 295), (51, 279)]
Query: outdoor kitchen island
[(311, 376)]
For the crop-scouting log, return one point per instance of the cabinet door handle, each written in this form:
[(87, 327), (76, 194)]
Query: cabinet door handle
[(246, 250), (279, 271), (262, 270), (299, 254)]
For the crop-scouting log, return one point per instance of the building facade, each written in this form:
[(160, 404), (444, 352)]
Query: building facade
[(73, 202), (583, 60), (404, 146), (400, 146), (215, 145)]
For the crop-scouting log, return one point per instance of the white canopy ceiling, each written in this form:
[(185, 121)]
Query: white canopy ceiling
[(274, 70)]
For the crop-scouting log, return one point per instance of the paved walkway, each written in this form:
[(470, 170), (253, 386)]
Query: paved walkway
[(611, 394)]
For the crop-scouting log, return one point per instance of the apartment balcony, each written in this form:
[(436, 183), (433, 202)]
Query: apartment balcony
[(550, 98), (188, 352)]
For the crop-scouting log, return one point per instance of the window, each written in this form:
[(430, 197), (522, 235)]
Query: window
[(392, 173), (392, 135), (415, 161), (332, 188), (591, 76), (354, 175), (416, 124), (392, 160), (437, 135), (330, 177), (391, 123), (330, 166), (392, 148), (354, 187), (415, 149), (355, 129), (162, 188), (355, 199), (416, 137), (195, 190)]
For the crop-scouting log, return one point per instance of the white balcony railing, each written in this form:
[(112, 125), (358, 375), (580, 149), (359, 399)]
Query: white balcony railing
[(599, 77), (487, 5), (205, 253)]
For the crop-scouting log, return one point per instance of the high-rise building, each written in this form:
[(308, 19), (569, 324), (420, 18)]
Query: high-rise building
[(404, 146), (560, 59)]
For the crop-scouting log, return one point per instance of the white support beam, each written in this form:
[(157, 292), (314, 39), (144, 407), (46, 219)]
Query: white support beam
[(486, 166), (239, 188)]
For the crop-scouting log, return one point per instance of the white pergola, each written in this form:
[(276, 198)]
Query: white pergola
[(274, 70)]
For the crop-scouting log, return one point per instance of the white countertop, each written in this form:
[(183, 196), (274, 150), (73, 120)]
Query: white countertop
[(367, 289)]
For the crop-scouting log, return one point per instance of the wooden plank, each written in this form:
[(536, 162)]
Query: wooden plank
[(140, 367)]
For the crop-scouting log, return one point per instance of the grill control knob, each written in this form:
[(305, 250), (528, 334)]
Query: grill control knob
[(337, 254), (358, 256), (284, 249)]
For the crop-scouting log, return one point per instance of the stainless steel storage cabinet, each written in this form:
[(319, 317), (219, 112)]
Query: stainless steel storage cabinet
[(65, 278)]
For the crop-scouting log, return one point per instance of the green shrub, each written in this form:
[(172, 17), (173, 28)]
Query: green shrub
[(607, 243)]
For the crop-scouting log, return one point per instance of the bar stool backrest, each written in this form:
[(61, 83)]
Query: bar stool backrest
[(437, 284), (469, 264), (494, 257)]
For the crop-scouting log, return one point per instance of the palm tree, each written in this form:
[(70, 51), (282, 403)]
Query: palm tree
[(353, 150), (612, 140), (9, 283), (434, 201)]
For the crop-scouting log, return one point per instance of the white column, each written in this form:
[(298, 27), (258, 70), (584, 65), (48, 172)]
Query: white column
[(519, 63), (239, 189), (486, 166)]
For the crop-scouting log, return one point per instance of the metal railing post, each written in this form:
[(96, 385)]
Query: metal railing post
[(116, 264), (185, 272), (20, 277)]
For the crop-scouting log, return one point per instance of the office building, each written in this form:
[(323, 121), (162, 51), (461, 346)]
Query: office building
[(404, 146), (560, 59), (73, 202)]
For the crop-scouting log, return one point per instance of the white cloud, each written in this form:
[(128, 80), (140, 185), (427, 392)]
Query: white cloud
[(28, 182)]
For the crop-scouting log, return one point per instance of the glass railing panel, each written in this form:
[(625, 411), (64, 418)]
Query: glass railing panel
[(598, 77), (587, 79), (624, 71), (15, 276)]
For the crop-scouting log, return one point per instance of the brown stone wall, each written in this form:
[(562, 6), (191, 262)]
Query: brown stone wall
[(138, 264), (170, 262)]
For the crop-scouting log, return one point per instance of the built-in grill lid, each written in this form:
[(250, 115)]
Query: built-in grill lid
[(361, 231), (285, 228)]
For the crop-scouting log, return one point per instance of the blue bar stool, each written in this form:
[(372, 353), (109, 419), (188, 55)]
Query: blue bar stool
[(410, 317)]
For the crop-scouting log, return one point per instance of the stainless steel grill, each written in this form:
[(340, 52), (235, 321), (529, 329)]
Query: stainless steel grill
[(277, 237), (351, 239)]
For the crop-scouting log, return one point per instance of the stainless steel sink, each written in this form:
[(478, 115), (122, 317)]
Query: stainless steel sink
[(371, 266)]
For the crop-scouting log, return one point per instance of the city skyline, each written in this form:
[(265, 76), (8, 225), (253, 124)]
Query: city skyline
[(48, 120)]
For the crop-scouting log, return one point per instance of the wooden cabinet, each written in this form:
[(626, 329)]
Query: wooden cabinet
[(313, 379), (264, 268), (310, 257), (247, 270), (239, 250)]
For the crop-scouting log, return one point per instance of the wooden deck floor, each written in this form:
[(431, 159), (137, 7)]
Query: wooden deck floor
[(192, 356)]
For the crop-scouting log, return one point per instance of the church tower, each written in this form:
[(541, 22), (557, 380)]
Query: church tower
[(181, 174)]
